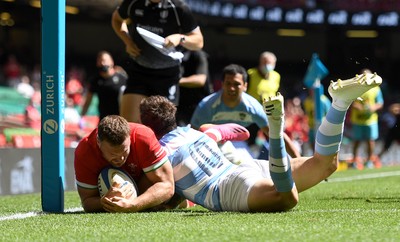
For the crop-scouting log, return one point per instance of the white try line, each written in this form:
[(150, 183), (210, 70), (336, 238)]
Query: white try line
[(364, 176), (20, 216), (33, 214)]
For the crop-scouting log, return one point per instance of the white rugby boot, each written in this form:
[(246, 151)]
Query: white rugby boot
[(351, 89), (274, 106)]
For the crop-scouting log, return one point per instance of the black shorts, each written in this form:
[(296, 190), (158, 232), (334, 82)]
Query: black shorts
[(150, 82)]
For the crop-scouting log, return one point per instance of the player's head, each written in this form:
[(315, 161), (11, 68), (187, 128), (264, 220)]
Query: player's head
[(234, 69), (234, 83), (267, 62), (158, 113), (104, 61), (113, 139)]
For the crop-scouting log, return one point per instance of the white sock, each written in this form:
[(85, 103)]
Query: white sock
[(276, 127), (341, 105)]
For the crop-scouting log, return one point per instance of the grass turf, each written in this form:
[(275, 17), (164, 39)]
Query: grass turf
[(365, 208)]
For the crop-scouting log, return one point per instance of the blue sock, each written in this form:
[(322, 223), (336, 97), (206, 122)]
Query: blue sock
[(279, 165), (330, 132)]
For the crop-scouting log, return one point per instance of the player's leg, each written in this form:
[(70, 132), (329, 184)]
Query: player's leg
[(373, 135), (225, 132), (308, 172), (278, 193), (279, 162), (129, 108)]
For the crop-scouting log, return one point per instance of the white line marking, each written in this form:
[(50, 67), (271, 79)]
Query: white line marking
[(348, 210), (73, 210), (20, 216), (33, 214), (364, 176)]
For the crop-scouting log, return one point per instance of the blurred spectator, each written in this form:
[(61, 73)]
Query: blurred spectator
[(194, 84), (12, 71), (36, 75), (71, 114), (309, 109), (393, 133), (32, 112), (74, 90), (364, 124), (263, 82), (108, 83), (24, 87), (296, 122)]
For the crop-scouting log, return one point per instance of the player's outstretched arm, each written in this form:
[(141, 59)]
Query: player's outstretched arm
[(90, 200)]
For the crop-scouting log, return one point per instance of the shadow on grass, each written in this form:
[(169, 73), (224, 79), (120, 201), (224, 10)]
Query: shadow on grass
[(185, 212)]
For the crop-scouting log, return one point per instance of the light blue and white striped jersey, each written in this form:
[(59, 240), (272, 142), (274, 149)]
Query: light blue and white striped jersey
[(213, 110), (198, 164)]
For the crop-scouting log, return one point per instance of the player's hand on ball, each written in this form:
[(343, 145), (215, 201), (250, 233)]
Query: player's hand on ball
[(124, 190), (117, 204)]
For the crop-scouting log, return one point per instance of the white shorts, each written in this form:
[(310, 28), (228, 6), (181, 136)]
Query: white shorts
[(235, 187)]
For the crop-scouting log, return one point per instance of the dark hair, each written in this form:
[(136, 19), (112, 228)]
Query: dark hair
[(234, 69), (158, 113), (114, 129)]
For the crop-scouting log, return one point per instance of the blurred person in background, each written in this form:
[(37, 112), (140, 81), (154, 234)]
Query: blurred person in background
[(108, 84), (25, 88), (393, 134), (296, 122), (364, 125), (74, 90), (12, 71), (194, 84), (309, 109), (32, 111), (263, 82), (152, 70)]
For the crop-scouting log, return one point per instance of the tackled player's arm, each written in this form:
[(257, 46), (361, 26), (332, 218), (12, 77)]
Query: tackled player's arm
[(90, 199), (161, 190)]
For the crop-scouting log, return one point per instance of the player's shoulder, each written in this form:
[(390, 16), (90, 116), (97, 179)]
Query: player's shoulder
[(137, 128), (210, 99), (276, 74), (87, 145), (87, 141), (252, 70), (250, 100)]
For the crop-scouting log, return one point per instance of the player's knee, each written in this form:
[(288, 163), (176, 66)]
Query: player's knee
[(284, 201), (289, 201), (333, 165)]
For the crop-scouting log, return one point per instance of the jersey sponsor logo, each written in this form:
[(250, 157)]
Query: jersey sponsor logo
[(242, 116), (164, 14), (139, 12)]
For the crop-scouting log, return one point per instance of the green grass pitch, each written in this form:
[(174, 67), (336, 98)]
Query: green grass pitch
[(352, 206)]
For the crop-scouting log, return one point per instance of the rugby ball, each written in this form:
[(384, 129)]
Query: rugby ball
[(109, 175)]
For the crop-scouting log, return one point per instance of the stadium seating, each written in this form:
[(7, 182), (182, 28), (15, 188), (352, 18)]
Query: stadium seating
[(26, 141)]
